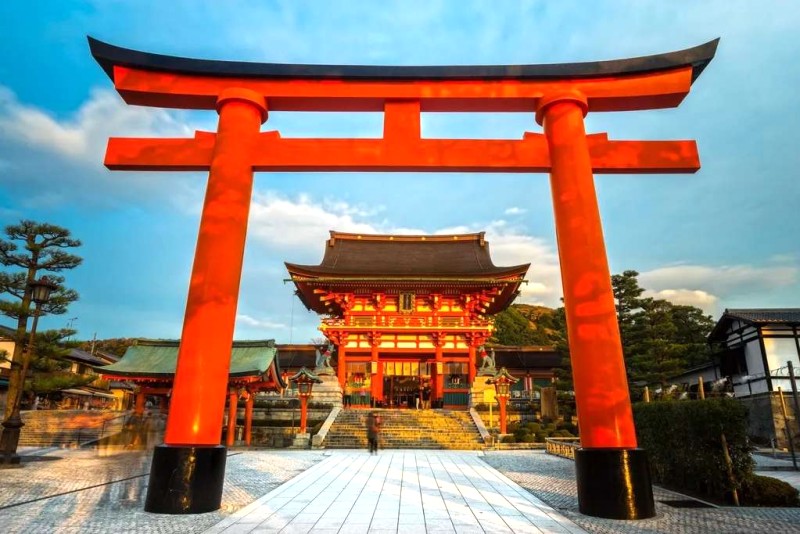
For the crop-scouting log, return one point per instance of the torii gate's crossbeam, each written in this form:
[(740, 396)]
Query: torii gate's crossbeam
[(613, 478), (273, 153)]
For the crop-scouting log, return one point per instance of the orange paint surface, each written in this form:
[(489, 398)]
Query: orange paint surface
[(601, 387), (400, 151), (661, 89), (201, 376)]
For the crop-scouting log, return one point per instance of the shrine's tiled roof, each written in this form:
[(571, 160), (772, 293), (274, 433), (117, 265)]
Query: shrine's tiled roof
[(766, 315), (407, 256), (158, 358), (755, 316)]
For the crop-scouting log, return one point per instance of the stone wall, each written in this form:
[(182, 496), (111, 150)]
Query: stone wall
[(766, 421)]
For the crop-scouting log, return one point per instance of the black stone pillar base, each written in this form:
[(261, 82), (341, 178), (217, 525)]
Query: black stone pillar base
[(614, 483), (185, 479)]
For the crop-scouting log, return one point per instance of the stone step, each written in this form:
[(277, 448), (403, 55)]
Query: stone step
[(407, 429)]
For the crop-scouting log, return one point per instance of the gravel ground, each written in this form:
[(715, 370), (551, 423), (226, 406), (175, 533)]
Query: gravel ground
[(86, 491), (552, 479)]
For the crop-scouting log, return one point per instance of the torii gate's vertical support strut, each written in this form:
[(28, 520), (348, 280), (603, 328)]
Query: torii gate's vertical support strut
[(187, 472), (612, 473)]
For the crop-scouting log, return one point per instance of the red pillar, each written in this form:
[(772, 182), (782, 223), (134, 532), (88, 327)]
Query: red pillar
[(601, 388), (248, 418), (204, 356), (503, 401), (438, 383), (471, 364), (341, 365), (232, 407), (377, 376), (303, 413), (139, 406)]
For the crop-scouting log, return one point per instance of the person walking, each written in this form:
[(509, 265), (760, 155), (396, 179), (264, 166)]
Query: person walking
[(426, 397), (347, 398), (373, 431)]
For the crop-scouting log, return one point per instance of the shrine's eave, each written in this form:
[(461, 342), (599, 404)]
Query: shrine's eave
[(109, 56)]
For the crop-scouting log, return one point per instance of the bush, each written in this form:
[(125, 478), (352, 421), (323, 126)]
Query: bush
[(683, 442), (508, 439), (533, 427), (768, 491)]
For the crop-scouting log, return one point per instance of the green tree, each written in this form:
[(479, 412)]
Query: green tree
[(51, 368), (627, 295), (116, 346), (32, 248), (513, 327), (659, 339)]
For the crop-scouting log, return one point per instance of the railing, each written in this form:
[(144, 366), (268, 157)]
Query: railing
[(564, 447)]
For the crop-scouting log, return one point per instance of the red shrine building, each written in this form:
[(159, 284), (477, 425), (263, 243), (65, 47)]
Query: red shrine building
[(407, 311)]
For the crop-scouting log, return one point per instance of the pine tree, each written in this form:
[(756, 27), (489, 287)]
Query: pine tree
[(33, 248)]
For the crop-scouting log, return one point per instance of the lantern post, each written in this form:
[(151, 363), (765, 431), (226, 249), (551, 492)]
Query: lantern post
[(305, 381), (502, 381)]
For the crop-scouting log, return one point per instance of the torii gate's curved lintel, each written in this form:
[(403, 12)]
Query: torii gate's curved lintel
[(647, 82), (110, 56), (612, 472)]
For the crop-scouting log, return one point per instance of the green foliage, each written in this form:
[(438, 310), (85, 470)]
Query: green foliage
[(536, 432), (115, 346), (659, 339), (522, 325), (56, 381), (683, 440), (43, 248), (768, 491)]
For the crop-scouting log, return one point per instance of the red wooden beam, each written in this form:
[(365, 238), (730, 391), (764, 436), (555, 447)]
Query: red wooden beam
[(275, 154)]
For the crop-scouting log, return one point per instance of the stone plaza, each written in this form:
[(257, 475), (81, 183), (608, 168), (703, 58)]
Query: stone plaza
[(350, 491)]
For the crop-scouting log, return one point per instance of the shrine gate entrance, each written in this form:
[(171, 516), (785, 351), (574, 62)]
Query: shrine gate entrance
[(612, 473)]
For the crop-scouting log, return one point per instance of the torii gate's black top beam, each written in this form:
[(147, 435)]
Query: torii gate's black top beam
[(108, 56)]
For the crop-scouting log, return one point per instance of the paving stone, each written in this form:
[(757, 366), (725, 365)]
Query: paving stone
[(552, 479)]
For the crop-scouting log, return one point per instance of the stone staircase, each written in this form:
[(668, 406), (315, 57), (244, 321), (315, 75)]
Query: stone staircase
[(406, 429), (61, 428)]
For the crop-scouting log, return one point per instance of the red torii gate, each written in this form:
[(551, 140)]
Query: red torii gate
[(187, 472)]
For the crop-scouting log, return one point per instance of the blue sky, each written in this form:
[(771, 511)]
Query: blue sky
[(724, 237)]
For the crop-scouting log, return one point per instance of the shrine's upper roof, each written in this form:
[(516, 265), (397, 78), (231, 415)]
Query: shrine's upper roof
[(159, 358), (385, 257), (109, 56)]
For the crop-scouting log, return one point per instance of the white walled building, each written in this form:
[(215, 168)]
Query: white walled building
[(754, 348)]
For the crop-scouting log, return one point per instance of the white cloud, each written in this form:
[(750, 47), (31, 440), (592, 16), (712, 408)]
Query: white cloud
[(688, 297), (515, 211), (51, 160), (302, 223), (258, 323), (83, 136), (722, 281)]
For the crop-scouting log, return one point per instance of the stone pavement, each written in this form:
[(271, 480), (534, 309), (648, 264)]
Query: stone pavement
[(61, 490), (552, 479), (88, 491), (352, 492)]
